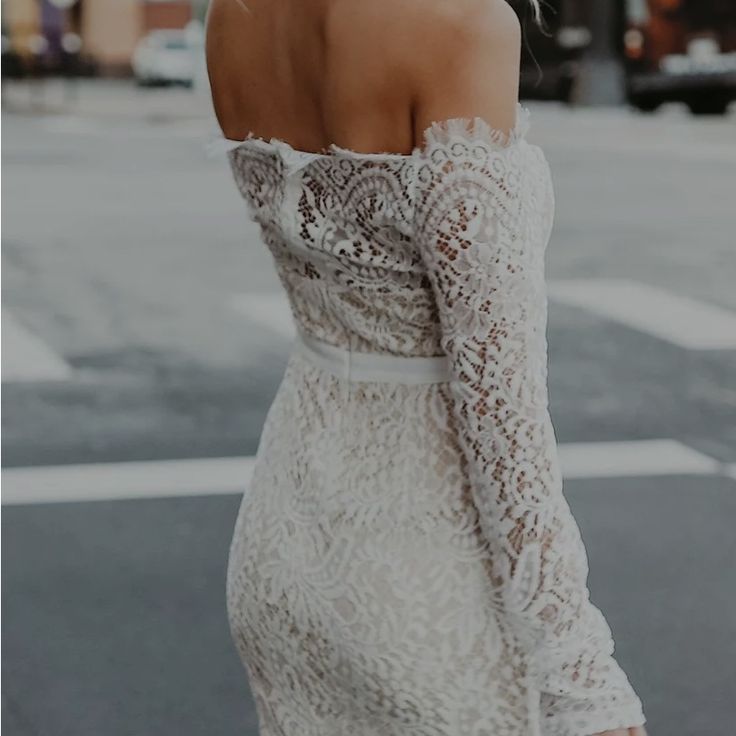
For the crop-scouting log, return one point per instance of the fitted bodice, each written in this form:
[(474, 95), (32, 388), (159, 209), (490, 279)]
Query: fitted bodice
[(340, 226)]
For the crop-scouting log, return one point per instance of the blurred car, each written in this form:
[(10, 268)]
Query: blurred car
[(680, 50), (550, 61), (164, 57)]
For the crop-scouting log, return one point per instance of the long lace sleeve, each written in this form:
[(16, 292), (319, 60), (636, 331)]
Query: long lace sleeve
[(483, 215)]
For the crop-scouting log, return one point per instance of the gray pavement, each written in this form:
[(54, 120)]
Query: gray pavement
[(114, 620), (124, 251), (114, 613)]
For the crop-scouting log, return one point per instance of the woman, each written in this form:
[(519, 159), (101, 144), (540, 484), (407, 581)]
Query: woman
[(404, 560)]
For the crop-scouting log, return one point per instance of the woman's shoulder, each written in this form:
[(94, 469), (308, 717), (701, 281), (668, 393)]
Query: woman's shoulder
[(415, 28), (462, 20), (468, 65), (444, 58)]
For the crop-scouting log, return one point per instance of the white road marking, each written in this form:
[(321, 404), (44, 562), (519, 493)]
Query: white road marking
[(636, 458), (26, 358), (84, 126), (680, 320), (231, 475), (114, 481), (677, 319), (71, 125), (270, 310)]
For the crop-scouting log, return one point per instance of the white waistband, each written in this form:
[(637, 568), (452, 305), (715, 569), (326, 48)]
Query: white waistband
[(355, 366)]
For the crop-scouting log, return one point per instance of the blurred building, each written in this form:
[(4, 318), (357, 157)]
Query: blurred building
[(591, 52), (106, 31), (644, 51)]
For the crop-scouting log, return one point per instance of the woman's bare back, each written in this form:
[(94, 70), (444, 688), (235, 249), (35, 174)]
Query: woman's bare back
[(366, 76), (286, 69)]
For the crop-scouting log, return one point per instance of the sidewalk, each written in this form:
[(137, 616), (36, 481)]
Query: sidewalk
[(118, 99)]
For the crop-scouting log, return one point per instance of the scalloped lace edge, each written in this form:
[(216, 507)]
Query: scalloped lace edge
[(438, 132), (475, 128)]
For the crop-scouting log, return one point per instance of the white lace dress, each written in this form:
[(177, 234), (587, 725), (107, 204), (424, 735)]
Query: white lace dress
[(404, 562)]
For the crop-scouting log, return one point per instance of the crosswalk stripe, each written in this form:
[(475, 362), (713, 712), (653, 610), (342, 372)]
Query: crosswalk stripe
[(231, 475), (75, 125), (635, 458), (27, 358), (680, 320), (677, 319), (126, 480)]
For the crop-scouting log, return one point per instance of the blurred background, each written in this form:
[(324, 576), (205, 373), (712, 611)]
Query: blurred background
[(144, 334)]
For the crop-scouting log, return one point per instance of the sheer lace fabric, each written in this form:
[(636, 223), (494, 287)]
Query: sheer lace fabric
[(404, 560)]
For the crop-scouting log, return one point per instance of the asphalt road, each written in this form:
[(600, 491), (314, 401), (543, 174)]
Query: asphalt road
[(129, 258)]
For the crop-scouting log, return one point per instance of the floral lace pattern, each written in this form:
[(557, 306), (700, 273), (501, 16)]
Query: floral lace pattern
[(404, 560)]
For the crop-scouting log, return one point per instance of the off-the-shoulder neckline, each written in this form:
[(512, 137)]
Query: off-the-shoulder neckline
[(437, 132)]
